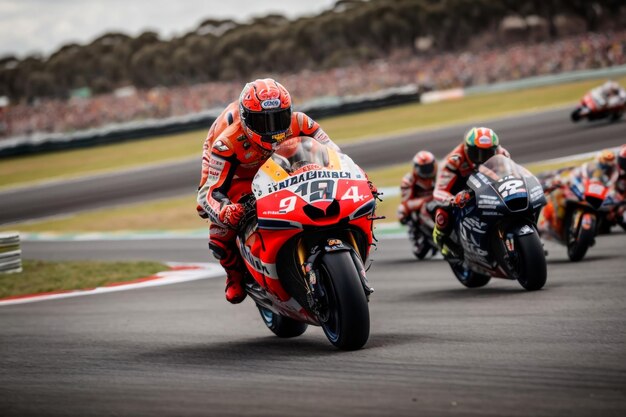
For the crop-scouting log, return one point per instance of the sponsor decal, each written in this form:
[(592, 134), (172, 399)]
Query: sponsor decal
[(484, 140), (492, 213), (474, 181), (307, 176), (279, 137), (254, 262), (270, 104), (216, 163)]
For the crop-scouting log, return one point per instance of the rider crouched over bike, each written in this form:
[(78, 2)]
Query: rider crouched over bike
[(479, 144), (417, 186), (416, 190), (239, 141), (558, 188)]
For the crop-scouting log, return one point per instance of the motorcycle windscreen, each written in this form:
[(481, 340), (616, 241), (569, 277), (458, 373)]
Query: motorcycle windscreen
[(509, 181), (297, 153)]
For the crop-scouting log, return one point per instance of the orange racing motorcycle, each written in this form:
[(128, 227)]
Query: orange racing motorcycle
[(305, 237)]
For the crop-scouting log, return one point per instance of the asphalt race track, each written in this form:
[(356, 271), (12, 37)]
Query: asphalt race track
[(531, 137), (436, 348)]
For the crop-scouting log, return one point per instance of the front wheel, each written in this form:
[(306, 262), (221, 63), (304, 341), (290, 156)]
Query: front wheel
[(421, 246), (581, 236), (575, 115), (532, 270), (468, 277), (281, 326), (346, 319)]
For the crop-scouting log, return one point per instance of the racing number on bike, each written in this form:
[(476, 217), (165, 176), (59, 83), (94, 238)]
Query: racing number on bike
[(511, 187), (287, 204), (319, 190)]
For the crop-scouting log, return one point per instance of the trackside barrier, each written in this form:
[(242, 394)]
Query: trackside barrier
[(10, 253), (325, 106), (545, 80)]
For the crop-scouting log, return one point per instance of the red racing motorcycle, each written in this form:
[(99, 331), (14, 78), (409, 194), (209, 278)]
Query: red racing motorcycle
[(582, 197), (305, 237), (591, 110)]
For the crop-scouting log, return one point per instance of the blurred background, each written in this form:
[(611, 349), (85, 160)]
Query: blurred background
[(68, 66)]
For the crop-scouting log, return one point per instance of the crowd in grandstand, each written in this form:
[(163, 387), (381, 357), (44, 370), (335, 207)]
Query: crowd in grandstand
[(430, 71)]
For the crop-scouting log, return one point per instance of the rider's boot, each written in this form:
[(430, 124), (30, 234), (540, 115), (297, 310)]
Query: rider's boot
[(234, 288), (450, 250), (232, 263)]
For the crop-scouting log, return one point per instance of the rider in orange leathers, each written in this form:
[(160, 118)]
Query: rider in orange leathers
[(479, 144), (553, 214), (417, 186), (239, 141)]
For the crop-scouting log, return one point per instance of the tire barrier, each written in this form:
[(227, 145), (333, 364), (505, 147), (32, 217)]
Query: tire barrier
[(10, 253)]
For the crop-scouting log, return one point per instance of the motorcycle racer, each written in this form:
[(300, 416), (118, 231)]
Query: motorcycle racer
[(478, 145), (603, 166), (238, 142), (609, 95), (417, 186)]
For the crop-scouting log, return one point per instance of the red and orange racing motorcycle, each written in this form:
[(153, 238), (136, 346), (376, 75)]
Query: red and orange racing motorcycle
[(591, 110), (305, 237), (583, 194)]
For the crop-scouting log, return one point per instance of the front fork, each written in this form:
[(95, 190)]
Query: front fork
[(316, 294), (580, 218)]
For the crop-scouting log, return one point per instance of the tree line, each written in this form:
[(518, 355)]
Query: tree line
[(352, 31)]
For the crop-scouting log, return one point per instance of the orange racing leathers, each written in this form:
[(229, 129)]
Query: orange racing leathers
[(229, 163), (415, 191), (452, 178)]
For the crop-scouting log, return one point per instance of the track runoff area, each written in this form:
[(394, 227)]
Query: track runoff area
[(436, 348)]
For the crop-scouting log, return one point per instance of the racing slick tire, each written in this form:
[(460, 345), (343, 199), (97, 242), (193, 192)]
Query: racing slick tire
[(532, 269), (584, 237), (347, 320)]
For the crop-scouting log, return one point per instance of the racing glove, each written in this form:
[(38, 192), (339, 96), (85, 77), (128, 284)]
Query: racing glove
[(461, 199), (231, 215)]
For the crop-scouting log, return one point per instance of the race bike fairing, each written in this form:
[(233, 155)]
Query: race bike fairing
[(305, 174), (513, 184)]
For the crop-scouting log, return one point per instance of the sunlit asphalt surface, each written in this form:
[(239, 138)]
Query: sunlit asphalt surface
[(436, 348)]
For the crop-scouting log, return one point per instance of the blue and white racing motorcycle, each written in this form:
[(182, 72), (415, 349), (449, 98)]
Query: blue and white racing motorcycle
[(497, 230)]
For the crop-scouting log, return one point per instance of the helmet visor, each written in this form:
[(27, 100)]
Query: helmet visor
[(425, 170), (480, 155), (268, 123)]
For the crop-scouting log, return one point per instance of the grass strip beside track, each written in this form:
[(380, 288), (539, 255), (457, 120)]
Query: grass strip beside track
[(44, 276), (105, 158), (180, 214)]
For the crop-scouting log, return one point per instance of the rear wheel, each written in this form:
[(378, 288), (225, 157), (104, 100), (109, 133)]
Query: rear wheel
[(532, 270), (281, 326), (346, 320), (468, 277), (580, 237)]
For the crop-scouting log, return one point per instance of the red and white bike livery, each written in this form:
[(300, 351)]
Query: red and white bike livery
[(307, 231)]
